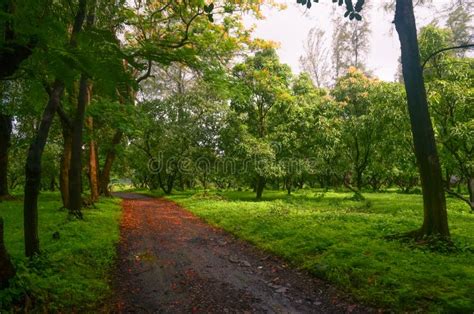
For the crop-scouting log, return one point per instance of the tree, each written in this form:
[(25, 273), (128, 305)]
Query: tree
[(398, 157), (263, 84), (71, 51), (458, 22), (15, 47), (315, 58), (453, 115), (159, 34), (75, 170), (435, 218), (178, 134), (362, 120), (450, 90), (308, 131), (350, 45), (35, 152), (341, 56)]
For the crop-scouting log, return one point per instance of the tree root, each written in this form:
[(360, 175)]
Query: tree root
[(76, 215), (418, 239)]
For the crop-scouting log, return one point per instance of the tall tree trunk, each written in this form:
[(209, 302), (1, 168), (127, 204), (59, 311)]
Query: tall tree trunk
[(75, 169), (7, 271), (35, 152), (65, 165), (93, 161), (435, 220), (33, 171), (93, 157), (109, 160), (260, 186), (5, 138)]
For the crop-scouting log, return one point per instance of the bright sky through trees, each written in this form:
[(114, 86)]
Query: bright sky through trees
[(385, 47)]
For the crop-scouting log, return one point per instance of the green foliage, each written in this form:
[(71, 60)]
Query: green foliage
[(72, 273), (261, 93), (450, 89), (342, 240), (163, 73), (368, 105)]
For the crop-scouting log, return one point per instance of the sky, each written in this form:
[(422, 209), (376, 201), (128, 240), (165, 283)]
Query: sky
[(290, 28)]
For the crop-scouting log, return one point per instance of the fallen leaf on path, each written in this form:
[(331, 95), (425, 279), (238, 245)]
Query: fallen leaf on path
[(246, 264)]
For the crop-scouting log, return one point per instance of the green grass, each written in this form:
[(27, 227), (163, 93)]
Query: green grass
[(72, 273), (343, 242)]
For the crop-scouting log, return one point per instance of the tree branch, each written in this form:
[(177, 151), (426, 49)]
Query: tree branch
[(460, 196), (147, 74), (466, 46)]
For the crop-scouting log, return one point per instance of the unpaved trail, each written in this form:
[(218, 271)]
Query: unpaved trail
[(170, 261)]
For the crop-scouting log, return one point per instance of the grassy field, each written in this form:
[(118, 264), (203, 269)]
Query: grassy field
[(343, 242), (72, 273)]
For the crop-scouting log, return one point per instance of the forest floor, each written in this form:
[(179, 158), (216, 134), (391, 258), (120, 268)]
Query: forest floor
[(72, 273), (171, 261)]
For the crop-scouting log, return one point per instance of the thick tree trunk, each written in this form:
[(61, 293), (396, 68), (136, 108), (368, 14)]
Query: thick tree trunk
[(170, 184), (35, 152), (435, 220), (75, 169), (65, 165), (168, 187), (33, 172), (260, 185), (7, 271), (109, 160), (5, 138)]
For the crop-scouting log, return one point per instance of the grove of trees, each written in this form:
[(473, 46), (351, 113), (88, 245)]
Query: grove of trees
[(177, 95)]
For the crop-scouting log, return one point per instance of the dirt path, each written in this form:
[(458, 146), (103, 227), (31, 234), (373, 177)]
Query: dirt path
[(170, 261)]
